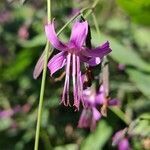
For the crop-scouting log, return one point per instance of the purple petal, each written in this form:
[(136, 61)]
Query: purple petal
[(52, 37), (57, 62), (89, 97), (85, 118), (94, 61), (113, 102), (79, 33), (124, 144), (100, 97), (100, 51), (118, 136), (96, 114), (39, 66)]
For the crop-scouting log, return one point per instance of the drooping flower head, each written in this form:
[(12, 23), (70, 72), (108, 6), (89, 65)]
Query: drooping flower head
[(90, 115), (121, 140), (71, 55), (94, 101)]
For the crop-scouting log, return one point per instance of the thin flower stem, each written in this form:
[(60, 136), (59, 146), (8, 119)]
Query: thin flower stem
[(43, 82), (49, 11), (120, 114), (73, 18), (96, 24), (91, 10)]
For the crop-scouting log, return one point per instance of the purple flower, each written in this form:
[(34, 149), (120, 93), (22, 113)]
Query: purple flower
[(71, 55), (105, 101), (121, 140), (90, 115)]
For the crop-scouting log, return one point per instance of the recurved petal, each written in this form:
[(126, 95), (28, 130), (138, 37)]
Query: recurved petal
[(100, 51), (79, 33), (57, 62), (53, 39)]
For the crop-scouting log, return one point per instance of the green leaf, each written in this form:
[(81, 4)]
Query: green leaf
[(141, 80), (138, 10), (67, 147), (24, 12), (18, 66), (97, 139), (5, 123), (141, 36), (141, 126)]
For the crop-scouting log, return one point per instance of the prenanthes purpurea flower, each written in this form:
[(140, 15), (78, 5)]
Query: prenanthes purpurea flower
[(90, 114), (71, 55)]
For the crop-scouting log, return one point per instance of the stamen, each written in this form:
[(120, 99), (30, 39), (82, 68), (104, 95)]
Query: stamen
[(66, 84), (74, 81), (68, 76)]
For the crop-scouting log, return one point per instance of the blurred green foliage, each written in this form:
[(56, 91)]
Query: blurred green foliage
[(138, 10), (129, 75)]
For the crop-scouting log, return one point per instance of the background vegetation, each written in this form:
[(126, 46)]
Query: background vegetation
[(125, 23)]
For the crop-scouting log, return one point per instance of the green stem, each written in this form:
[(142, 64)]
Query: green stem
[(49, 11), (73, 18), (120, 114), (91, 10), (96, 24), (43, 82)]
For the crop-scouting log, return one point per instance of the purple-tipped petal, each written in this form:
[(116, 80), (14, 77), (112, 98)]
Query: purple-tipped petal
[(53, 39), (94, 61), (79, 33), (100, 51), (113, 102), (57, 62)]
